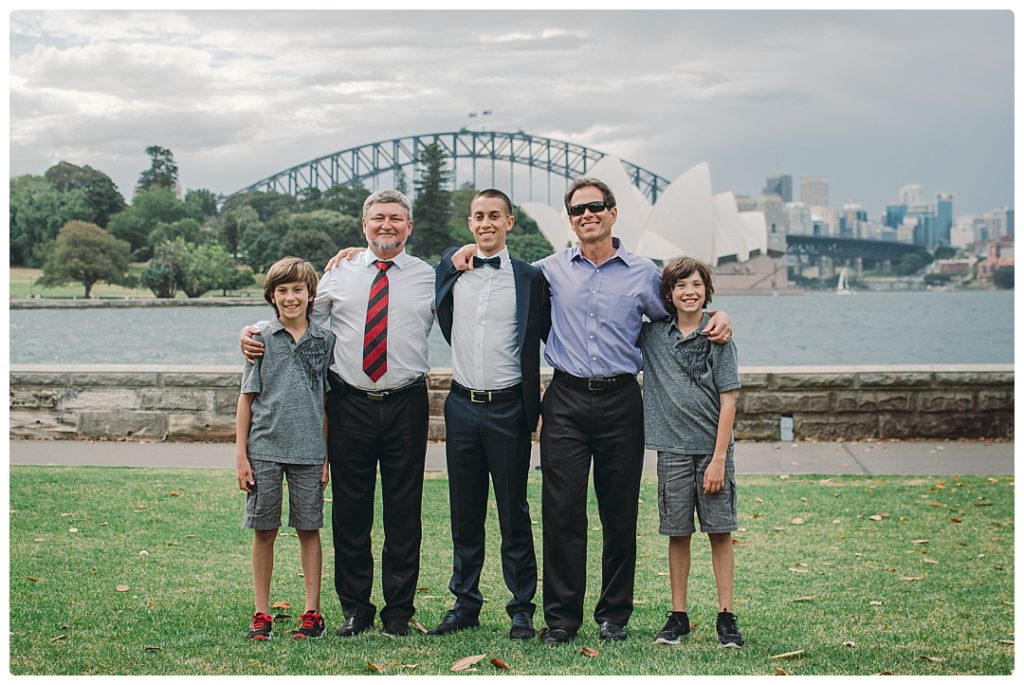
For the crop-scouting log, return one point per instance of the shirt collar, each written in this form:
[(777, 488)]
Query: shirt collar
[(673, 329), (620, 252), (506, 259), (275, 326), (400, 260)]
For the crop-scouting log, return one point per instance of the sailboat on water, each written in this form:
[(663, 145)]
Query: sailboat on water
[(842, 288)]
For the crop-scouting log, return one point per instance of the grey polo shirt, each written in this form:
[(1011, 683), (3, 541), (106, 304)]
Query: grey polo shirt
[(289, 380), (682, 379)]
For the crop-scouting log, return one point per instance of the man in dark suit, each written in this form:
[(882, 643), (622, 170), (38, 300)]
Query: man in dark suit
[(494, 317)]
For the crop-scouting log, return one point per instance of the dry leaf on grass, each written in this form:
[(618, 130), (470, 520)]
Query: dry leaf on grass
[(466, 662), (758, 500), (919, 542), (933, 659), (59, 637), (993, 480), (174, 493), (418, 626), (423, 589), (122, 588), (736, 541), (797, 521), (498, 663), (38, 539), (908, 578), (788, 655), (72, 530), (152, 648), (796, 570), (589, 651), (955, 520), (875, 603), (278, 617), (281, 605), (34, 579), (410, 666), (374, 668), (849, 643), (779, 671), (983, 504), (1006, 642), (808, 598)]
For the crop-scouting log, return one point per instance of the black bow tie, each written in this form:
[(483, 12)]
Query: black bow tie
[(489, 261)]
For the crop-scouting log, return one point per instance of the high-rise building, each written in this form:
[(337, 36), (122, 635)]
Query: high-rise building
[(910, 194), (943, 217), (774, 213), (814, 191), (781, 185), (798, 219), (852, 221)]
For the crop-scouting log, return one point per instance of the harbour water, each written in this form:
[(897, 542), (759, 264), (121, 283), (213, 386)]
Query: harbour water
[(813, 329)]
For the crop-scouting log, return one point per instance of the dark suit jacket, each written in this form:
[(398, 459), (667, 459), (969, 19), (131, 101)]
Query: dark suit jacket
[(533, 316)]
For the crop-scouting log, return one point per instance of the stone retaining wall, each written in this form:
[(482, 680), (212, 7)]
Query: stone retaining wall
[(825, 403)]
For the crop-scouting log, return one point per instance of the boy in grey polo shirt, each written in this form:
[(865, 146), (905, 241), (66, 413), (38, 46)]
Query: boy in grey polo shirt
[(280, 430), (689, 408)]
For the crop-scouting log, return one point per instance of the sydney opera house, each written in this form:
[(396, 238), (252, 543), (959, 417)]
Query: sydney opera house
[(686, 220)]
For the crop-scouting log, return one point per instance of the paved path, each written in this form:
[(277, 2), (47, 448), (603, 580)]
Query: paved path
[(841, 458)]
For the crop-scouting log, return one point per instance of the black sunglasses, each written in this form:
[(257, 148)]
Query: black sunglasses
[(595, 207)]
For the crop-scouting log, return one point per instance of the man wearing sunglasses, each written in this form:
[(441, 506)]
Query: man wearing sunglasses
[(593, 410)]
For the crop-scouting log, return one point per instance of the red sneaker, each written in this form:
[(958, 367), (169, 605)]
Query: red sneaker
[(262, 627), (311, 626)]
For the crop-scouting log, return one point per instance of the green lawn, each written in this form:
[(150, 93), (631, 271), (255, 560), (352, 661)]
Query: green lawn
[(22, 284), (856, 595)]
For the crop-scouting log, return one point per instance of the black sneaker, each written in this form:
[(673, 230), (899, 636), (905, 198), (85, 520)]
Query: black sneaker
[(676, 628), (729, 634), (311, 626), (262, 627)]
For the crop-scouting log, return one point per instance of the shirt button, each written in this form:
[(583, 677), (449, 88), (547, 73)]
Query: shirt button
[(593, 359), (591, 313), (591, 337)]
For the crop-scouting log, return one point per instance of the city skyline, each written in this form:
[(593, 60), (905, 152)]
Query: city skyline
[(872, 100)]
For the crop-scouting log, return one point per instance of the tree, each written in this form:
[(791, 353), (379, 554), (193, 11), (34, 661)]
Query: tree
[(401, 182), (342, 229), (945, 252), (101, 194), (913, 262), (200, 204), (267, 205), (87, 254), (189, 230), (148, 209), (345, 198), (209, 267), (1003, 278), (38, 211), (166, 270), (259, 243), (316, 247), (162, 171), (232, 224), (937, 279), (433, 208)]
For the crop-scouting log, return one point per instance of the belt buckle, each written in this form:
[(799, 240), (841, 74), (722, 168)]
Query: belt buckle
[(602, 384), (484, 394), (376, 396)]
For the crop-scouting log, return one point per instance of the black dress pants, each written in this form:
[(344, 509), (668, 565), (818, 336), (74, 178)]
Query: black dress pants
[(489, 441), (579, 426), (363, 433)]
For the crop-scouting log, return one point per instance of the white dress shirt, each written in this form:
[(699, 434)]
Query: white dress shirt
[(340, 306), (485, 341)]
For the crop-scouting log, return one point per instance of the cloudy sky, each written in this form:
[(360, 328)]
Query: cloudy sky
[(872, 100)]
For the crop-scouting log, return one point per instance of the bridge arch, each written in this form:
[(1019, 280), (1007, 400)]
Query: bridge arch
[(368, 162)]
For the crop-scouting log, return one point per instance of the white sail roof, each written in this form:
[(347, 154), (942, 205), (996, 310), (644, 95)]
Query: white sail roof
[(681, 221), (554, 225), (729, 238), (755, 231)]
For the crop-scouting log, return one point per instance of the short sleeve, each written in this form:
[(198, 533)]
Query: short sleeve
[(726, 368), (331, 339), (251, 376)]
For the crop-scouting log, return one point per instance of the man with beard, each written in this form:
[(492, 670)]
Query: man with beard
[(379, 305)]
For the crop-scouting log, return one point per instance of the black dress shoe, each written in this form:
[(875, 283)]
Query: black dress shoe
[(612, 631), (397, 626), (454, 621), (354, 625), (522, 627), (557, 636)]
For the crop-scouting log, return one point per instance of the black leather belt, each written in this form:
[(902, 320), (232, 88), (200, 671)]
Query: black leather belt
[(597, 384), (485, 396), (382, 395)]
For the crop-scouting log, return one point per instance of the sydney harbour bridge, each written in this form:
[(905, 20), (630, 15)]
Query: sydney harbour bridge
[(528, 167)]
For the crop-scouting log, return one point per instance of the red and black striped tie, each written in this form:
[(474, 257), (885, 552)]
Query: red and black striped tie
[(375, 338)]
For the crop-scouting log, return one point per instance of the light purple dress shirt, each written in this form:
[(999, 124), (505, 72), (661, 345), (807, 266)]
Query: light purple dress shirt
[(596, 311)]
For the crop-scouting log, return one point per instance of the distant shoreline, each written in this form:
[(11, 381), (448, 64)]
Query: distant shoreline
[(127, 302)]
